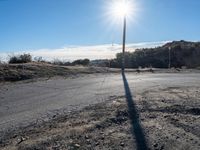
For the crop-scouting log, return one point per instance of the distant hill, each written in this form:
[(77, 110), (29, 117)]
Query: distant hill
[(182, 53)]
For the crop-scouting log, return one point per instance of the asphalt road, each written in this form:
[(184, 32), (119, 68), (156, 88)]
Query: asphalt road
[(24, 103)]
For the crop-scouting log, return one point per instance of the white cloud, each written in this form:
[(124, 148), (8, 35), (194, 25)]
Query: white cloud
[(71, 53)]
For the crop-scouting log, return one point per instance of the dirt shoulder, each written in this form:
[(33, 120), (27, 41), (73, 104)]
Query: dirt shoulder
[(158, 119)]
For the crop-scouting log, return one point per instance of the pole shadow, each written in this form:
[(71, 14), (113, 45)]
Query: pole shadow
[(136, 129)]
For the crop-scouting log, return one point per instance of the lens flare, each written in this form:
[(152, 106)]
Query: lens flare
[(118, 9), (121, 8)]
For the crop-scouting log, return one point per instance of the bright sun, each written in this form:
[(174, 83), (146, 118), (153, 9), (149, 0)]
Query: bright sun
[(121, 8), (116, 10)]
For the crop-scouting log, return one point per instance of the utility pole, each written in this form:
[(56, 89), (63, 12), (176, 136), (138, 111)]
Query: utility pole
[(124, 44), (169, 65)]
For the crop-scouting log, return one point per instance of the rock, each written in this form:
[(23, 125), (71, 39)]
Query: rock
[(88, 141), (116, 104), (77, 145), (98, 126), (122, 144), (15, 135), (55, 146), (20, 140), (155, 145), (162, 147), (70, 141)]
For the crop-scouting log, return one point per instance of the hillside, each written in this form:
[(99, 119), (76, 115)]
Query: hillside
[(182, 53), (17, 72)]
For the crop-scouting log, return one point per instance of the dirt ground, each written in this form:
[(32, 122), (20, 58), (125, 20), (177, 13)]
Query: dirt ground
[(158, 119)]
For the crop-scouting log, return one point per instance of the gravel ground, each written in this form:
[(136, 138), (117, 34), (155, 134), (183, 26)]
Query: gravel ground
[(156, 119)]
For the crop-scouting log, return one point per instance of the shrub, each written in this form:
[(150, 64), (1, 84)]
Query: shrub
[(24, 58), (61, 63), (38, 59), (84, 62)]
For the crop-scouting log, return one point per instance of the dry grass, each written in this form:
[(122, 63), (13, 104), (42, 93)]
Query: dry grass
[(17, 72)]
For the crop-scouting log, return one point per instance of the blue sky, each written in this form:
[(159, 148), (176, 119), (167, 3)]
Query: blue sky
[(52, 24)]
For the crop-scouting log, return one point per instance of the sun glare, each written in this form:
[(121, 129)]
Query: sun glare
[(121, 8), (118, 9)]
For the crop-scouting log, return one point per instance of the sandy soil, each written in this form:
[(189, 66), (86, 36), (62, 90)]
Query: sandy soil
[(158, 119)]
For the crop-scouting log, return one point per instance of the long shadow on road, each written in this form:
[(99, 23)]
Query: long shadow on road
[(137, 131)]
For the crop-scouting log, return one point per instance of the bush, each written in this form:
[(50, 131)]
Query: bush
[(84, 62), (38, 59), (24, 58), (61, 63)]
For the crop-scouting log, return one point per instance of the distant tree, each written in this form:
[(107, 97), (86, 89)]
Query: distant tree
[(61, 63), (182, 54), (128, 59), (38, 59), (57, 62), (24, 58), (83, 62)]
